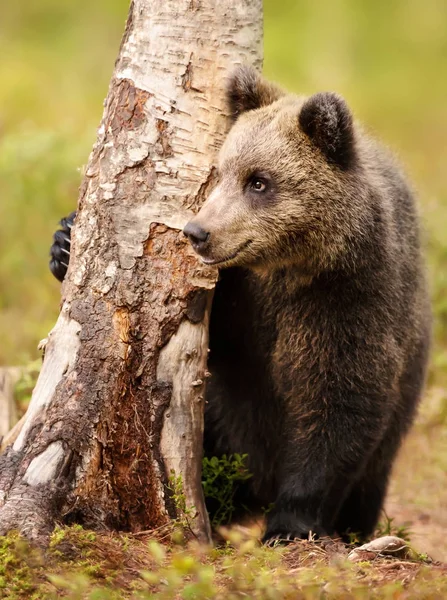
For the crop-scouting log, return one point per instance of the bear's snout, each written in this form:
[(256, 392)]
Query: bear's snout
[(196, 235)]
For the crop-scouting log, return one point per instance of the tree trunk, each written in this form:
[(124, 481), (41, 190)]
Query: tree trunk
[(119, 402)]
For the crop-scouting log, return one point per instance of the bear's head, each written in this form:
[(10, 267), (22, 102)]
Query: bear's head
[(288, 182)]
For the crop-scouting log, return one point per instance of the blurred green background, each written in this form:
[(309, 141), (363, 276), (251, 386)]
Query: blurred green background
[(388, 58)]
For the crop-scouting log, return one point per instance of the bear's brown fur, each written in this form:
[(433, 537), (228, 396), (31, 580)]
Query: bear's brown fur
[(320, 325)]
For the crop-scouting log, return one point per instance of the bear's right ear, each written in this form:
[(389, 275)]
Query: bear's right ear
[(326, 119), (247, 90)]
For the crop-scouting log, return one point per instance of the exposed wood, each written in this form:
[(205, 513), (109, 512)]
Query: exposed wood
[(119, 401)]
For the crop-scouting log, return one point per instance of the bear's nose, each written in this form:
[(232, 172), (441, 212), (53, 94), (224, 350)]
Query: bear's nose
[(196, 235)]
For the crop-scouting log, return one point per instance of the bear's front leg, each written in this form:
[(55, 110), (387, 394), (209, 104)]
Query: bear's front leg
[(300, 515), (326, 452), (289, 523)]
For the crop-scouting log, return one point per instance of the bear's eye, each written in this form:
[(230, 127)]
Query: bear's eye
[(258, 184)]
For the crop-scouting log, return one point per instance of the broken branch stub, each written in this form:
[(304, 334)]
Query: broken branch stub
[(119, 401)]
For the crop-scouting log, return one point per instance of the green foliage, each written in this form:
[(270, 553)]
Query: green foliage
[(387, 527), (220, 479), (185, 513), (183, 572)]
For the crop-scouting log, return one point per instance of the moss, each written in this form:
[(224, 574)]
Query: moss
[(17, 561), (71, 542)]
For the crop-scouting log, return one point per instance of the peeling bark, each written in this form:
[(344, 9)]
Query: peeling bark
[(119, 402)]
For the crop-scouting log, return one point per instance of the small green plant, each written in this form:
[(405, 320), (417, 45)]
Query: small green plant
[(185, 513), (353, 538), (221, 478), (181, 573), (388, 527)]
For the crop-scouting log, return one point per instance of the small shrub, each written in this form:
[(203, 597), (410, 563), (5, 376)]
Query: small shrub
[(221, 478), (388, 527)]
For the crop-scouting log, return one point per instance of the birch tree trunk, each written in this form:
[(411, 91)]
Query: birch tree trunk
[(119, 402)]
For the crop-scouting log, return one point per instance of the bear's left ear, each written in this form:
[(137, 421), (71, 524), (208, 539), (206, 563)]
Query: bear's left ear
[(327, 120), (247, 90)]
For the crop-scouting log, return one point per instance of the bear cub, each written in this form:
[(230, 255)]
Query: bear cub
[(320, 325)]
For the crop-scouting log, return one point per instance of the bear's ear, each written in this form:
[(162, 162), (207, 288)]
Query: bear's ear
[(327, 120), (247, 90)]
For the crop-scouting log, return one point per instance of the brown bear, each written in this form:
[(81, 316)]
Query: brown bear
[(320, 325)]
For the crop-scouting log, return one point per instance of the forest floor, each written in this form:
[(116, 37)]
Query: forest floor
[(81, 564)]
